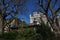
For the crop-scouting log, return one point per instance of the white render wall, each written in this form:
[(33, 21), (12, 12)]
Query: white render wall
[(59, 20), (37, 17), (58, 17)]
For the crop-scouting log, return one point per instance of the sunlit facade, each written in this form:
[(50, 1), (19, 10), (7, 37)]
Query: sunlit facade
[(37, 18)]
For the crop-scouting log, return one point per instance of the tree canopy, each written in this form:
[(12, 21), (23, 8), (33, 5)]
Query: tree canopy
[(50, 8)]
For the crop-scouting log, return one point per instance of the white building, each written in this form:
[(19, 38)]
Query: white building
[(58, 17), (37, 18)]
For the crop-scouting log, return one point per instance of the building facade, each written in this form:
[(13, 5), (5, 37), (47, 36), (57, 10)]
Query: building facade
[(58, 17), (38, 18)]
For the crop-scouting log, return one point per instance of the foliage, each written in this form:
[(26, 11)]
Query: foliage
[(45, 32), (9, 36), (50, 11), (14, 35), (42, 32)]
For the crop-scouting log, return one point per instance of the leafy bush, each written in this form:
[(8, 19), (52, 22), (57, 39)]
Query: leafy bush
[(14, 35), (42, 32)]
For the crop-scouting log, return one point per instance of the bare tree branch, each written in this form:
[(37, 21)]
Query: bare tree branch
[(57, 11)]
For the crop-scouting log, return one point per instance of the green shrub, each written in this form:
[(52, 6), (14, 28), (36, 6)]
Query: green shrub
[(14, 35)]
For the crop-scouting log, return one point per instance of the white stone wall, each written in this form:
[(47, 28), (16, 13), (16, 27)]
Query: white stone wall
[(58, 17), (59, 21), (31, 19), (37, 17), (12, 23), (44, 19)]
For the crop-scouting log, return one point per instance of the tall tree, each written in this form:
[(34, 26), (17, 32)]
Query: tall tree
[(18, 4), (48, 7)]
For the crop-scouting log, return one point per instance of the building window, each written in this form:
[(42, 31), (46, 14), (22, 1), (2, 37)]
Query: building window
[(35, 22), (34, 19)]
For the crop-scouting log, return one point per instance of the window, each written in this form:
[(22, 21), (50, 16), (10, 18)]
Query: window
[(34, 18), (35, 22)]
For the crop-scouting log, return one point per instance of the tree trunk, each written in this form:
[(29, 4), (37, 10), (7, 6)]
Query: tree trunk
[(1, 24)]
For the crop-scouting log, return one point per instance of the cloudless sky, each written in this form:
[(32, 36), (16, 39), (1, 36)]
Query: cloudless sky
[(30, 5)]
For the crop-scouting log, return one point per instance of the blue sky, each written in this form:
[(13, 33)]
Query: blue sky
[(31, 6)]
